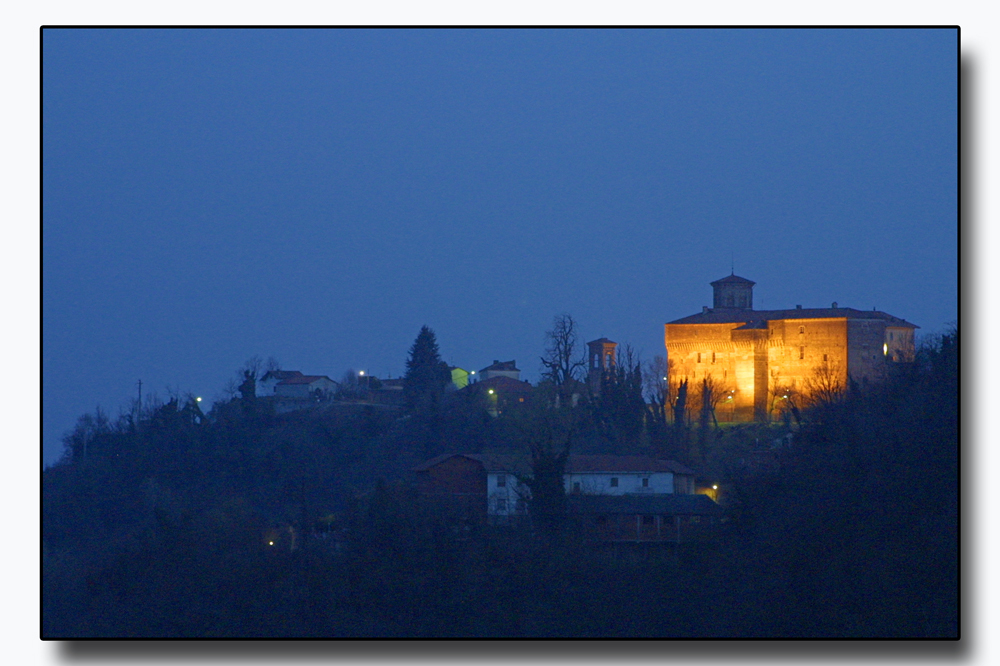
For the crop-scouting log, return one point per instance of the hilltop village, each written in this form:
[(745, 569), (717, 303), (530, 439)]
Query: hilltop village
[(728, 364), (766, 446)]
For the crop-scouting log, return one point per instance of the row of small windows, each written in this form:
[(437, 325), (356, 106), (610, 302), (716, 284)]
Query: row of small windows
[(699, 357), (613, 483), (520, 506)]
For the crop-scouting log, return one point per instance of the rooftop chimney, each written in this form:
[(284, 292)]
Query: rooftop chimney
[(835, 305), (704, 309), (798, 307)]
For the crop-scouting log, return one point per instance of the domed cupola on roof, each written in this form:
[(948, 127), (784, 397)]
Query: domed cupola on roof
[(733, 292)]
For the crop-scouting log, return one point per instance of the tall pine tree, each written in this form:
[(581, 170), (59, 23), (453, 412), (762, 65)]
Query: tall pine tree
[(426, 374)]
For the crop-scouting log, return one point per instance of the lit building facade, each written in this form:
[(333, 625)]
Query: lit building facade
[(753, 359)]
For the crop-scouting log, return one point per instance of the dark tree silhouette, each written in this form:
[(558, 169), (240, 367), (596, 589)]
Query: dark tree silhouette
[(426, 374), (562, 362)]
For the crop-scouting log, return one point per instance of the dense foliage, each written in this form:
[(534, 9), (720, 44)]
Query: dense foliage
[(240, 522)]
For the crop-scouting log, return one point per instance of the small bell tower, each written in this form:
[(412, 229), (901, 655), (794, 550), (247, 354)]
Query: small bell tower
[(601, 363), (732, 293)]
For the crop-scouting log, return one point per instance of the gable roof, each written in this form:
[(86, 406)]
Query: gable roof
[(303, 379), (759, 318)]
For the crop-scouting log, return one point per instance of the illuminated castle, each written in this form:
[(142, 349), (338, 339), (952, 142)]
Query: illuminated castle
[(754, 359)]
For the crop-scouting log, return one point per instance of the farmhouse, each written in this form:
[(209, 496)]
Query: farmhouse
[(601, 490)]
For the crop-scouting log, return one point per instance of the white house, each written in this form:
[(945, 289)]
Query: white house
[(626, 475), (497, 479), (306, 387), (266, 384)]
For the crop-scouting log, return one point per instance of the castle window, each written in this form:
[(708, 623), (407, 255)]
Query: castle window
[(890, 336), (824, 358), (802, 330), (501, 480), (645, 482), (713, 357), (501, 505), (614, 482), (699, 357), (802, 353), (576, 486)]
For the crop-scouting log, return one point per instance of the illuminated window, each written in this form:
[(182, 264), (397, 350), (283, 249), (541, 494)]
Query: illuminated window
[(614, 482), (501, 480), (802, 353)]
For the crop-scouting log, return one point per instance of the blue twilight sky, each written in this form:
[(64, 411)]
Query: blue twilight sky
[(318, 195)]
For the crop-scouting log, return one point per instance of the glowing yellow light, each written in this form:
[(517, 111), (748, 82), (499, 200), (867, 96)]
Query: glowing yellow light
[(491, 391), (362, 373), (197, 399), (715, 487), (270, 543), (473, 372), (885, 349)]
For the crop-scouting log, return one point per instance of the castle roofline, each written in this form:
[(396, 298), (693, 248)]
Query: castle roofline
[(756, 318)]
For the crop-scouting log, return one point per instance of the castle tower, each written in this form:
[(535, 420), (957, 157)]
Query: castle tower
[(602, 361), (732, 292)]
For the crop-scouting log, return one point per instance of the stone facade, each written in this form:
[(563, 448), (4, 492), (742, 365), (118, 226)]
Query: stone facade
[(754, 359)]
